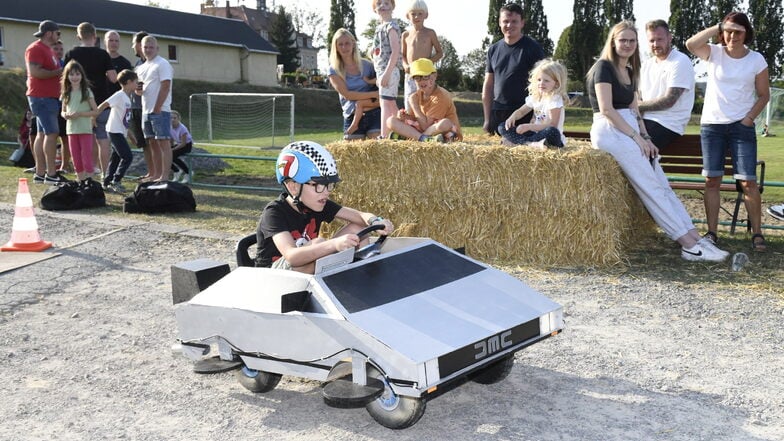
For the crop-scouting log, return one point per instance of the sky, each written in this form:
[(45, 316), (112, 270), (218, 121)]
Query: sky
[(447, 17)]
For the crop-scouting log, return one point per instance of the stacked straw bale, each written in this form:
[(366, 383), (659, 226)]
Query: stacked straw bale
[(522, 205)]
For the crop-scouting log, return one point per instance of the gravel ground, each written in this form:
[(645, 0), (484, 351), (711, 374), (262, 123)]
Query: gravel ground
[(86, 337)]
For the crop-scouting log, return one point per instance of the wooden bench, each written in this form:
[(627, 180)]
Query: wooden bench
[(682, 162)]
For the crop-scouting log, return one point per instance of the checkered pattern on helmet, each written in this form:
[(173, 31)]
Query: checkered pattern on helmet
[(324, 162)]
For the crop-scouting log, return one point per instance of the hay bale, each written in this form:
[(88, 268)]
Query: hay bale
[(553, 207)]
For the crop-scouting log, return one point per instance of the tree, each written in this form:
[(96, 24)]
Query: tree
[(585, 37), (767, 18), (283, 36), (448, 66), (536, 25), (309, 22), (719, 9), (341, 15), (564, 48), (473, 68), (618, 10), (687, 17)]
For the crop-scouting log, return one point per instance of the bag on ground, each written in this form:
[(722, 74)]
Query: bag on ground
[(73, 196), (160, 197)]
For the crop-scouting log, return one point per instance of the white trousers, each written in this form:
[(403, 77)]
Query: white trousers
[(648, 180)]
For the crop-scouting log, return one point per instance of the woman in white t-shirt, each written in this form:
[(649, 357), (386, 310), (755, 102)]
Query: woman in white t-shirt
[(737, 91)]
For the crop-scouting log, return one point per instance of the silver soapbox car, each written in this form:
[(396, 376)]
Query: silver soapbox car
[(385, 327)]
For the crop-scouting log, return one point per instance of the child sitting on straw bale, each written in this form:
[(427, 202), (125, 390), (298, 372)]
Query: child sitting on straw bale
[(287, 235), (546, 96), (434, 113)]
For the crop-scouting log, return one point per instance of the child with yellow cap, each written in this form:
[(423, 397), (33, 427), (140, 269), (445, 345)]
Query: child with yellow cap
[(434, 116)]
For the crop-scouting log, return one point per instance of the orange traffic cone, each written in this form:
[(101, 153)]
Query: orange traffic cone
[(24, 233)]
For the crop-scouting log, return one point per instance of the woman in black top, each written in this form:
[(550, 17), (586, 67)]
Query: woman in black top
[(617, 129)]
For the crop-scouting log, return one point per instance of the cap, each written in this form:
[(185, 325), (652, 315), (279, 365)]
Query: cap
[(46, 26), (421, 67)]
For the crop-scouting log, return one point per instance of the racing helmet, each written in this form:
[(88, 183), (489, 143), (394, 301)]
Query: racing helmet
[(304, 161)]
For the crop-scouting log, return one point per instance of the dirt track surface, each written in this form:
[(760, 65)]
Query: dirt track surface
[(85, 354)]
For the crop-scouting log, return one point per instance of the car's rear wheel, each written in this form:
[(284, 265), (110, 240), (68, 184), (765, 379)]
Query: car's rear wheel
[(394, 411), (257, 381), (495, 372)]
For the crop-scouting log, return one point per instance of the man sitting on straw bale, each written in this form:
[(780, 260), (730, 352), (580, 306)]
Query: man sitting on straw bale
[(434, 114), (288, 231)]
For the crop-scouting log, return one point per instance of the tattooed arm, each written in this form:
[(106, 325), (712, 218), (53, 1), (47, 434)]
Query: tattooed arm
[(664, 102)]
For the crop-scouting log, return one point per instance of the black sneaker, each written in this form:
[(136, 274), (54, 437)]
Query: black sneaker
[(38, 179), (56, 179)]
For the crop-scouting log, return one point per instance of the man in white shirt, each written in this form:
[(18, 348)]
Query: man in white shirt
[(155, 88), (666, 87)]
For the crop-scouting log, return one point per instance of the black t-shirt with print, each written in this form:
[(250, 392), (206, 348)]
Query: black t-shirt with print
[(279, 216)]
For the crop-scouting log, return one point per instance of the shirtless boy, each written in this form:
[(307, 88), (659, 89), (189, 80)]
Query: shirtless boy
[(419, 42)]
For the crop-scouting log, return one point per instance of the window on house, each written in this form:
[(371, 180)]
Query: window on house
[(172, 53), (1, 37)]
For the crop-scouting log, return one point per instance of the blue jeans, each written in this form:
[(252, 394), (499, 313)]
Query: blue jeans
[(742, 143), (45, 110), (120, 159), (370, 123), (158, 125), (551, 136)]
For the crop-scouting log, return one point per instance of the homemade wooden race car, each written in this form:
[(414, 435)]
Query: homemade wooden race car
[(385, 327)]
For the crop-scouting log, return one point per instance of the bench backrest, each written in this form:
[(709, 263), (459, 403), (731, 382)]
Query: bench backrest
[(683, 156)]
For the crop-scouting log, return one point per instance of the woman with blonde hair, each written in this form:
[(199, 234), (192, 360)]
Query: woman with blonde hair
[(352, 77), (617, 129)]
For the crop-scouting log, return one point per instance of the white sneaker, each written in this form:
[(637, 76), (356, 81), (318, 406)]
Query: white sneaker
[(776, 211), (177, 176), (703, 252), (706, 242)]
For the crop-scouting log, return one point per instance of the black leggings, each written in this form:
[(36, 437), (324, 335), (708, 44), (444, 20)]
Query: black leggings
[(177, 163)]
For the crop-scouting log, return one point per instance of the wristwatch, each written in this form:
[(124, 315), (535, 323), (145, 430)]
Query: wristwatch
[(646, 136), (375, 219)]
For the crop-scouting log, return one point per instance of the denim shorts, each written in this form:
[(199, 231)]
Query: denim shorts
[(370, 123), (100, 124), (157, 125), (45, 111), (740, 140)]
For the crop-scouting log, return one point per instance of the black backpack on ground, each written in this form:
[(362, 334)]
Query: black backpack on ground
[(160, 197), (72, 195)]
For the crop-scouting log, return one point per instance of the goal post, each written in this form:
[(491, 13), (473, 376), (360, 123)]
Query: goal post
[(260, 120)]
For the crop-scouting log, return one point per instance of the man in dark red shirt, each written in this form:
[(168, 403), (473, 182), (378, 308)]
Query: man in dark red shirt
[(43, 93)]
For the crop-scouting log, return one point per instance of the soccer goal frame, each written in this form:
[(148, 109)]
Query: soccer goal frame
[(261, 119)]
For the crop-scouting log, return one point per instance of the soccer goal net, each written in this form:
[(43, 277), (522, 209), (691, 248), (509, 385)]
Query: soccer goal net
[(261, 120), (771, 120)]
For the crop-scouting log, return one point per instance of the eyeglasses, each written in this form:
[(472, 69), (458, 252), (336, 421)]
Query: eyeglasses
[(319, 188), (626, 41)]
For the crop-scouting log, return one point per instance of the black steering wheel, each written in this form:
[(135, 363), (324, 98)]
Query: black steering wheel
[(370, 249)]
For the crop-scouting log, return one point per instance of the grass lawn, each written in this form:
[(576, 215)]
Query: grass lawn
[(237, 211)]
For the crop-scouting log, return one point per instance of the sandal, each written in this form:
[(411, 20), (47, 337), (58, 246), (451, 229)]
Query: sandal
[(711, 236), (758, 245)]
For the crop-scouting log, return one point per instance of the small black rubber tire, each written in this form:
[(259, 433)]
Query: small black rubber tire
[(394, 411), (257, 381), (495, 372)]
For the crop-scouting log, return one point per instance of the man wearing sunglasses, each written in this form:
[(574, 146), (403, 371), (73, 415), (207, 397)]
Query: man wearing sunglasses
[(43, 93), (288, 233)]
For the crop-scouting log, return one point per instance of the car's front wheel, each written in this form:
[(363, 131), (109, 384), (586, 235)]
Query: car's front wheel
[(394, 411), (257, 381)]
